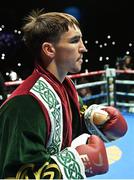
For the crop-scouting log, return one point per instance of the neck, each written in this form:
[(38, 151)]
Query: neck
[(57, 72)]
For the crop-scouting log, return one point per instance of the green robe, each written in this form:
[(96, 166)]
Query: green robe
[(22, 137), (23, 140)]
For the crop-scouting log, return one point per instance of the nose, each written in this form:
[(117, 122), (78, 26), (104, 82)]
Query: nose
[(82, 47)]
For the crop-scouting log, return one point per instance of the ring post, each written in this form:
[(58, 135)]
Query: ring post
[(110, 77)]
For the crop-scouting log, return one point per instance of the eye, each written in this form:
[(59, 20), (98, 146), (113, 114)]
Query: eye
[(75, 40)]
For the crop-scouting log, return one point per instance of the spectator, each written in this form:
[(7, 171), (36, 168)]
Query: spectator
[(127, 63), (85, 92)]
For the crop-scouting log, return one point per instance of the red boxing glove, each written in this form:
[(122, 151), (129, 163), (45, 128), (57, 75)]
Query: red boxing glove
[(105, 121), (93, 155), (116, 126)]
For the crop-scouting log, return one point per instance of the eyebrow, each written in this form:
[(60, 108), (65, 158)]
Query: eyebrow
[(75, 38)]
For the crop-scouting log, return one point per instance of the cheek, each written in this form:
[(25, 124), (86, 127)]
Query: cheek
[(67, 56), (66, 52), (70, 56)]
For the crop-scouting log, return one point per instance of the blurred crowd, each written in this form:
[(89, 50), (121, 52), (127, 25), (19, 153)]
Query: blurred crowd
[(125, 63)]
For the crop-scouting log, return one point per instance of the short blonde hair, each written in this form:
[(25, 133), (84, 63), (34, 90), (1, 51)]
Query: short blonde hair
[(42, 27)]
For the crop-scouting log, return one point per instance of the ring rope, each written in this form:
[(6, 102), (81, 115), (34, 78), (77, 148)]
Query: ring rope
[(13, 83), (10, 83), (91, 84), (86, 74), (125, 71), (94, 96), (125, 104), (124, 94), (97, 83), (124, 82)]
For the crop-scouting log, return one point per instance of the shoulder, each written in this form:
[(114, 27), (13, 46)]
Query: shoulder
[(23, 104), (22, 100), (23, 111)]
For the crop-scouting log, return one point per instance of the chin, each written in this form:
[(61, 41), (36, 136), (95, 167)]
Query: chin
[(75, 71)]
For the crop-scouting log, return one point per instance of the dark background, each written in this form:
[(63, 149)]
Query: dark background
[(98, 19)]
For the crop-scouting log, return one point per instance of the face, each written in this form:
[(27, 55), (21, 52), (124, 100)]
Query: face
[(69, 51), (128, 60)]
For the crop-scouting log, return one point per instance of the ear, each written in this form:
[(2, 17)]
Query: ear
[(48, 49)]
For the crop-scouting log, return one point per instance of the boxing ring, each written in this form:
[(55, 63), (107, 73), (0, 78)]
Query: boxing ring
[(112, 91), (111, 87), (120, 154)]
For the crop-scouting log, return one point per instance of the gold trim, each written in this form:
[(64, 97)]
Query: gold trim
[(23, 170), (22, 173), (38, 173), (51, 173)]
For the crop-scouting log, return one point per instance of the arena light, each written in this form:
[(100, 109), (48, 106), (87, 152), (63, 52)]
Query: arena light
[(19, 64), (2, 26), (100, 58), (85, 41), (127, 52), (96, 42), (7, 73), (113, 43), (105, 44), (108, 37), (3, 54), (130, 44), (2, 58), (107, 58)]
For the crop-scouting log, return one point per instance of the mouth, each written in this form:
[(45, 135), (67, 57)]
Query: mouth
[(80, 58)]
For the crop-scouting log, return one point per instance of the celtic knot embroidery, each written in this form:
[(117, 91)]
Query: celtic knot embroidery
[(71, 167), (48, 96)]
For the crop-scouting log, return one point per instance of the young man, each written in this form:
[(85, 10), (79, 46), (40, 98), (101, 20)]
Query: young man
[(42, 116)]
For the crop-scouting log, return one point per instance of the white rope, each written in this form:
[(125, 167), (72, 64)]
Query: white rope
[(80, 86), (124, 82), (123, 93), (125, 104)]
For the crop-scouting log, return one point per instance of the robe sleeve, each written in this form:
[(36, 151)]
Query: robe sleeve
[(23, 152)]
